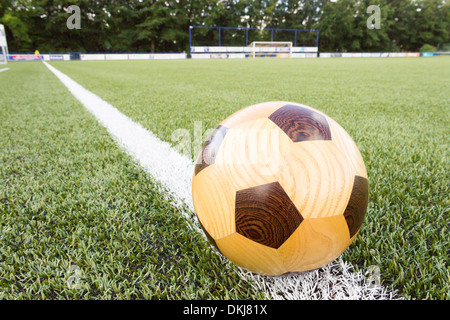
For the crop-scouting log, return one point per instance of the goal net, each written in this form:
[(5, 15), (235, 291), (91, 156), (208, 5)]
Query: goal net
[(271, 49)]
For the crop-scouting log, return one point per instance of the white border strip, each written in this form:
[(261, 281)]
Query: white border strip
[(132, 56), (4, 69), (174, 172)]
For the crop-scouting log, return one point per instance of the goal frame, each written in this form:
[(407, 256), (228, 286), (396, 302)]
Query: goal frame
[(255, 43), (243, 48)]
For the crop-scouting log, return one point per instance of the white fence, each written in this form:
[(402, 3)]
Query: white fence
[(249, 49), (95, 56), (211, 53), (55, 57), (296, 52), (132, 56), (368, 54), (222, 52)]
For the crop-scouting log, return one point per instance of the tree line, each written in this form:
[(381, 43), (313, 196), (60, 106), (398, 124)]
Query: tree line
[(163, 25)]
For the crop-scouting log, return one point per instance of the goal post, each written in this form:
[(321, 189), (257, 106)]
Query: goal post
[(3, 46), (271, 49)]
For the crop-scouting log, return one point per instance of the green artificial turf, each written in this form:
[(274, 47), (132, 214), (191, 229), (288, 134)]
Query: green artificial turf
[(78, 219), (396, 109)]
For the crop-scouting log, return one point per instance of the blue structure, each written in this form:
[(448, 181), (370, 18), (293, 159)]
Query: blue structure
[(246, 33)]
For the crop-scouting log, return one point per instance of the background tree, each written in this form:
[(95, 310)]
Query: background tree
[(163, 25)]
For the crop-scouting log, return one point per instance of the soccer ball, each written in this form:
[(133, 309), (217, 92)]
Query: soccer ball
[(280, 187)]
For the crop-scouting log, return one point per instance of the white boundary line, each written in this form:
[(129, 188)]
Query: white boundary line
[(174, 172), (4, 69)]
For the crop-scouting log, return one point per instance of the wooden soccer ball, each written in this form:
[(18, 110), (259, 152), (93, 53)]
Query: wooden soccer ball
[(280, 187)]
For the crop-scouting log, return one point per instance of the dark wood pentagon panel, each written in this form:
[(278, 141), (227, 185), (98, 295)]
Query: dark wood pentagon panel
[(357, 205), (301, 124), (266, 215), (210, 149)]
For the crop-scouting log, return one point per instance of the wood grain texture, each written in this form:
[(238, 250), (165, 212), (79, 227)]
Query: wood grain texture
[(349, 148), (251, 255), (273, 205), (252, 113), (317, 178), (266, 215), (209, 237), (214, 188), (301, 124), (357, 205), (258, 145), (210, 148), (213, 195), (315, 243)]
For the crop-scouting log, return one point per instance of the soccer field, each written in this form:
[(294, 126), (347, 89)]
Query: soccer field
[(80, 219)]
